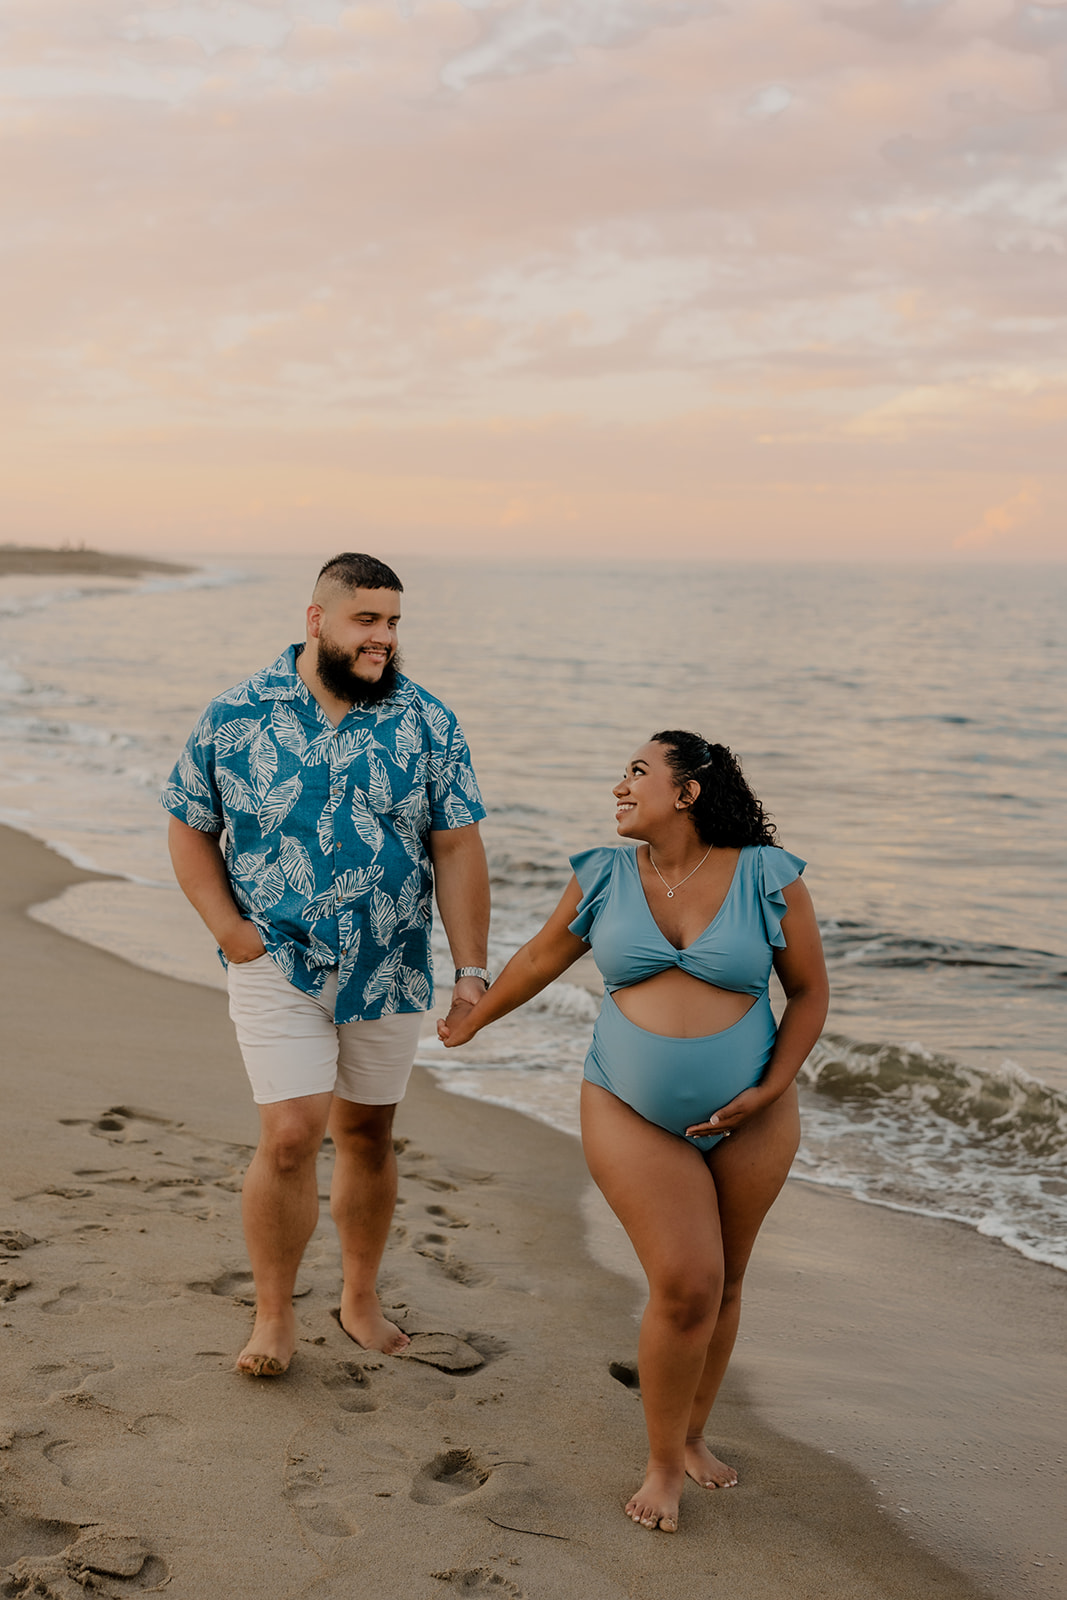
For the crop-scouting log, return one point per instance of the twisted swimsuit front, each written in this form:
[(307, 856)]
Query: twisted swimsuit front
[(676, 1082)]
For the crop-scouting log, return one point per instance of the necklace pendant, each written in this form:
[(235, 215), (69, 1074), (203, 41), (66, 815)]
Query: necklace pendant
[(670, 894)]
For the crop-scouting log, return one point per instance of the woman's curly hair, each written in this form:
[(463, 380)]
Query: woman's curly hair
[(725, 812)]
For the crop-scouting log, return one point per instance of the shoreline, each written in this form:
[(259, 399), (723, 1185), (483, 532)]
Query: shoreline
[(875, 1346)]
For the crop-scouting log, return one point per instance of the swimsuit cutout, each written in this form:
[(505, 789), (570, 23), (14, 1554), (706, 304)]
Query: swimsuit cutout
[(676, 1082)]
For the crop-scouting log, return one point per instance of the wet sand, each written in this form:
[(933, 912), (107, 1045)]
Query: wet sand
[(895, 1406)]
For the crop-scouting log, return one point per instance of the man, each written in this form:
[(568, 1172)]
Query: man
[(346, 796)]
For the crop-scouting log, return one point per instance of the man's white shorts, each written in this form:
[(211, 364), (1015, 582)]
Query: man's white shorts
[(292, 1046)]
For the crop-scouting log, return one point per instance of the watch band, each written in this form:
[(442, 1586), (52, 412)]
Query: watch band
[(474, 972)]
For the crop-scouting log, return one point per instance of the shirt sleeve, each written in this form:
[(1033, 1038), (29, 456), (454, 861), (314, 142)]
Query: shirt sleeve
[(190, 793), (455, 799)]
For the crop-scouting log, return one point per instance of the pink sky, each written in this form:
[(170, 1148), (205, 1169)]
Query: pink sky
[(764, 279)]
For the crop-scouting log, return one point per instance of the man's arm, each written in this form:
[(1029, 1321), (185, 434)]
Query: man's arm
[(202, 877), (461, 882)]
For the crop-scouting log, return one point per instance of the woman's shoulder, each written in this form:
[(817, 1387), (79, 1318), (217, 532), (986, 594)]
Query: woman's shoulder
[(599, 862)]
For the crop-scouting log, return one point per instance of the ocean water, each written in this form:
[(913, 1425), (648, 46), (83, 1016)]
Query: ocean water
[(904, 726)]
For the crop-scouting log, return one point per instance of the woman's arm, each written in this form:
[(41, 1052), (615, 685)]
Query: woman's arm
[(802, 972), (530, 970)]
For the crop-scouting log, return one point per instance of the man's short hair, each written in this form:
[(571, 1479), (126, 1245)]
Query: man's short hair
[(351, 570)]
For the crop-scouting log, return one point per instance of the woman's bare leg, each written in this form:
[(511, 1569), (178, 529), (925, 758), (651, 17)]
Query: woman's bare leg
[(664, 1195), (749, 1170)]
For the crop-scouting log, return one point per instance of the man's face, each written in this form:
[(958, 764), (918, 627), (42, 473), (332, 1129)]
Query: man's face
[(356, 632)]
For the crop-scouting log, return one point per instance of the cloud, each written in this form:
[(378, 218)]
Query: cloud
[(273, 216), (1001, 520), (536, 35)]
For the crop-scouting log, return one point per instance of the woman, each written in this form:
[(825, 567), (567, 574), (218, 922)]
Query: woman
[(689, 1108)]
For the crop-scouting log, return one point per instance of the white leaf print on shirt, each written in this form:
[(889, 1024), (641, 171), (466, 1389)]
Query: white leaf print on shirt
[(319, 953), (250, 863), (409, 900), (278, 804), (468, 782), (192, 778), (366, 824), (381, 794), (457, 813), (438, 719), (319, 748), (237, 696), (408, 737), (381, 979), (268, 888), (296, 864), (416, 986), (287, 729), (348, 961), (325, 824), (283, 958), (235, 791), (351, 743), (382, 918), (354, 884), (235, 735), (262, 761)]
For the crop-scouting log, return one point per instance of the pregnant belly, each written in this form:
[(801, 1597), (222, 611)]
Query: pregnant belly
[(683, 1007)]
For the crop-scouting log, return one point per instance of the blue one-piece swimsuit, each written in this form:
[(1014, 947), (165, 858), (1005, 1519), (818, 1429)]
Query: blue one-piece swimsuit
[(669, 1081)]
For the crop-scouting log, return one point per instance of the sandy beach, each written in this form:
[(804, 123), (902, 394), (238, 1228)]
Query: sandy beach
[(895, 1407)]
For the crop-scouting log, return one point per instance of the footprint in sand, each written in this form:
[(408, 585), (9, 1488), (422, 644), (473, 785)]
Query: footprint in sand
[(370, 1382), (625, 1372), (479, 1580), (445, 1218), (238, 1286), (323, 1506), (22, 1536), (83, 1561), (449, 1476), (436, 1248), (70, 1300)]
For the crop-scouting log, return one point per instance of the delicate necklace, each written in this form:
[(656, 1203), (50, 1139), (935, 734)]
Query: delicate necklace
[(678, 885)]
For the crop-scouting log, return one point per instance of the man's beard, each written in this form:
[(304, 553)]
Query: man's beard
[(335, 672)]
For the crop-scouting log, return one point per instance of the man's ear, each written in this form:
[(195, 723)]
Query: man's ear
[(314, 616)]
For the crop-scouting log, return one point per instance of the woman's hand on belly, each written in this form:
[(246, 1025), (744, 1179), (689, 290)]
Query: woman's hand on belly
[(676, 1004), (730, 1117)]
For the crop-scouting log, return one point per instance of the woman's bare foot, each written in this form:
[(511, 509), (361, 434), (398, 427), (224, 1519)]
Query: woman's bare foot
[(655, 1505), (706, 1469), (361, 1318), (270, 1349)]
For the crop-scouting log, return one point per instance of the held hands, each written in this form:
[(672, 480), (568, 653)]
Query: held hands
[(733, 1115), (457, 1027)]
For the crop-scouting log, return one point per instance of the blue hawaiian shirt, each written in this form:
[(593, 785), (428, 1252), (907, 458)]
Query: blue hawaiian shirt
[(327, 828)]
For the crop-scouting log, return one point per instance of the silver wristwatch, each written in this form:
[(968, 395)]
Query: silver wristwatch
[(474, 972)]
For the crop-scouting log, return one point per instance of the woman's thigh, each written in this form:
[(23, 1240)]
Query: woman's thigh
[(659, 1188), (749, 1169)]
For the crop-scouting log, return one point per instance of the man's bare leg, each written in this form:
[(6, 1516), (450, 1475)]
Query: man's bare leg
[(280, 1207), (362, 1199)]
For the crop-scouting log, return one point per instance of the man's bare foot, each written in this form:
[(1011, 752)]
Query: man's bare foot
[(362, 1319), (706, 1469), (655, 1505), (270, 1349)]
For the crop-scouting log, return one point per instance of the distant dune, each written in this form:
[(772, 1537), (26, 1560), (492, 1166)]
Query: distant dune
[(38, 559)]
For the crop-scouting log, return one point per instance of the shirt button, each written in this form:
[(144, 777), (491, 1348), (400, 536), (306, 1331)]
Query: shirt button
[(337, 846), (344, 952)]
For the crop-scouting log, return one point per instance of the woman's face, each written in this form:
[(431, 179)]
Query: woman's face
[(646, 798)]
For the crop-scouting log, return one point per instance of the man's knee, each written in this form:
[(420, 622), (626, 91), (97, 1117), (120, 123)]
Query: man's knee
[(365, 1132), (288, 1140)]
